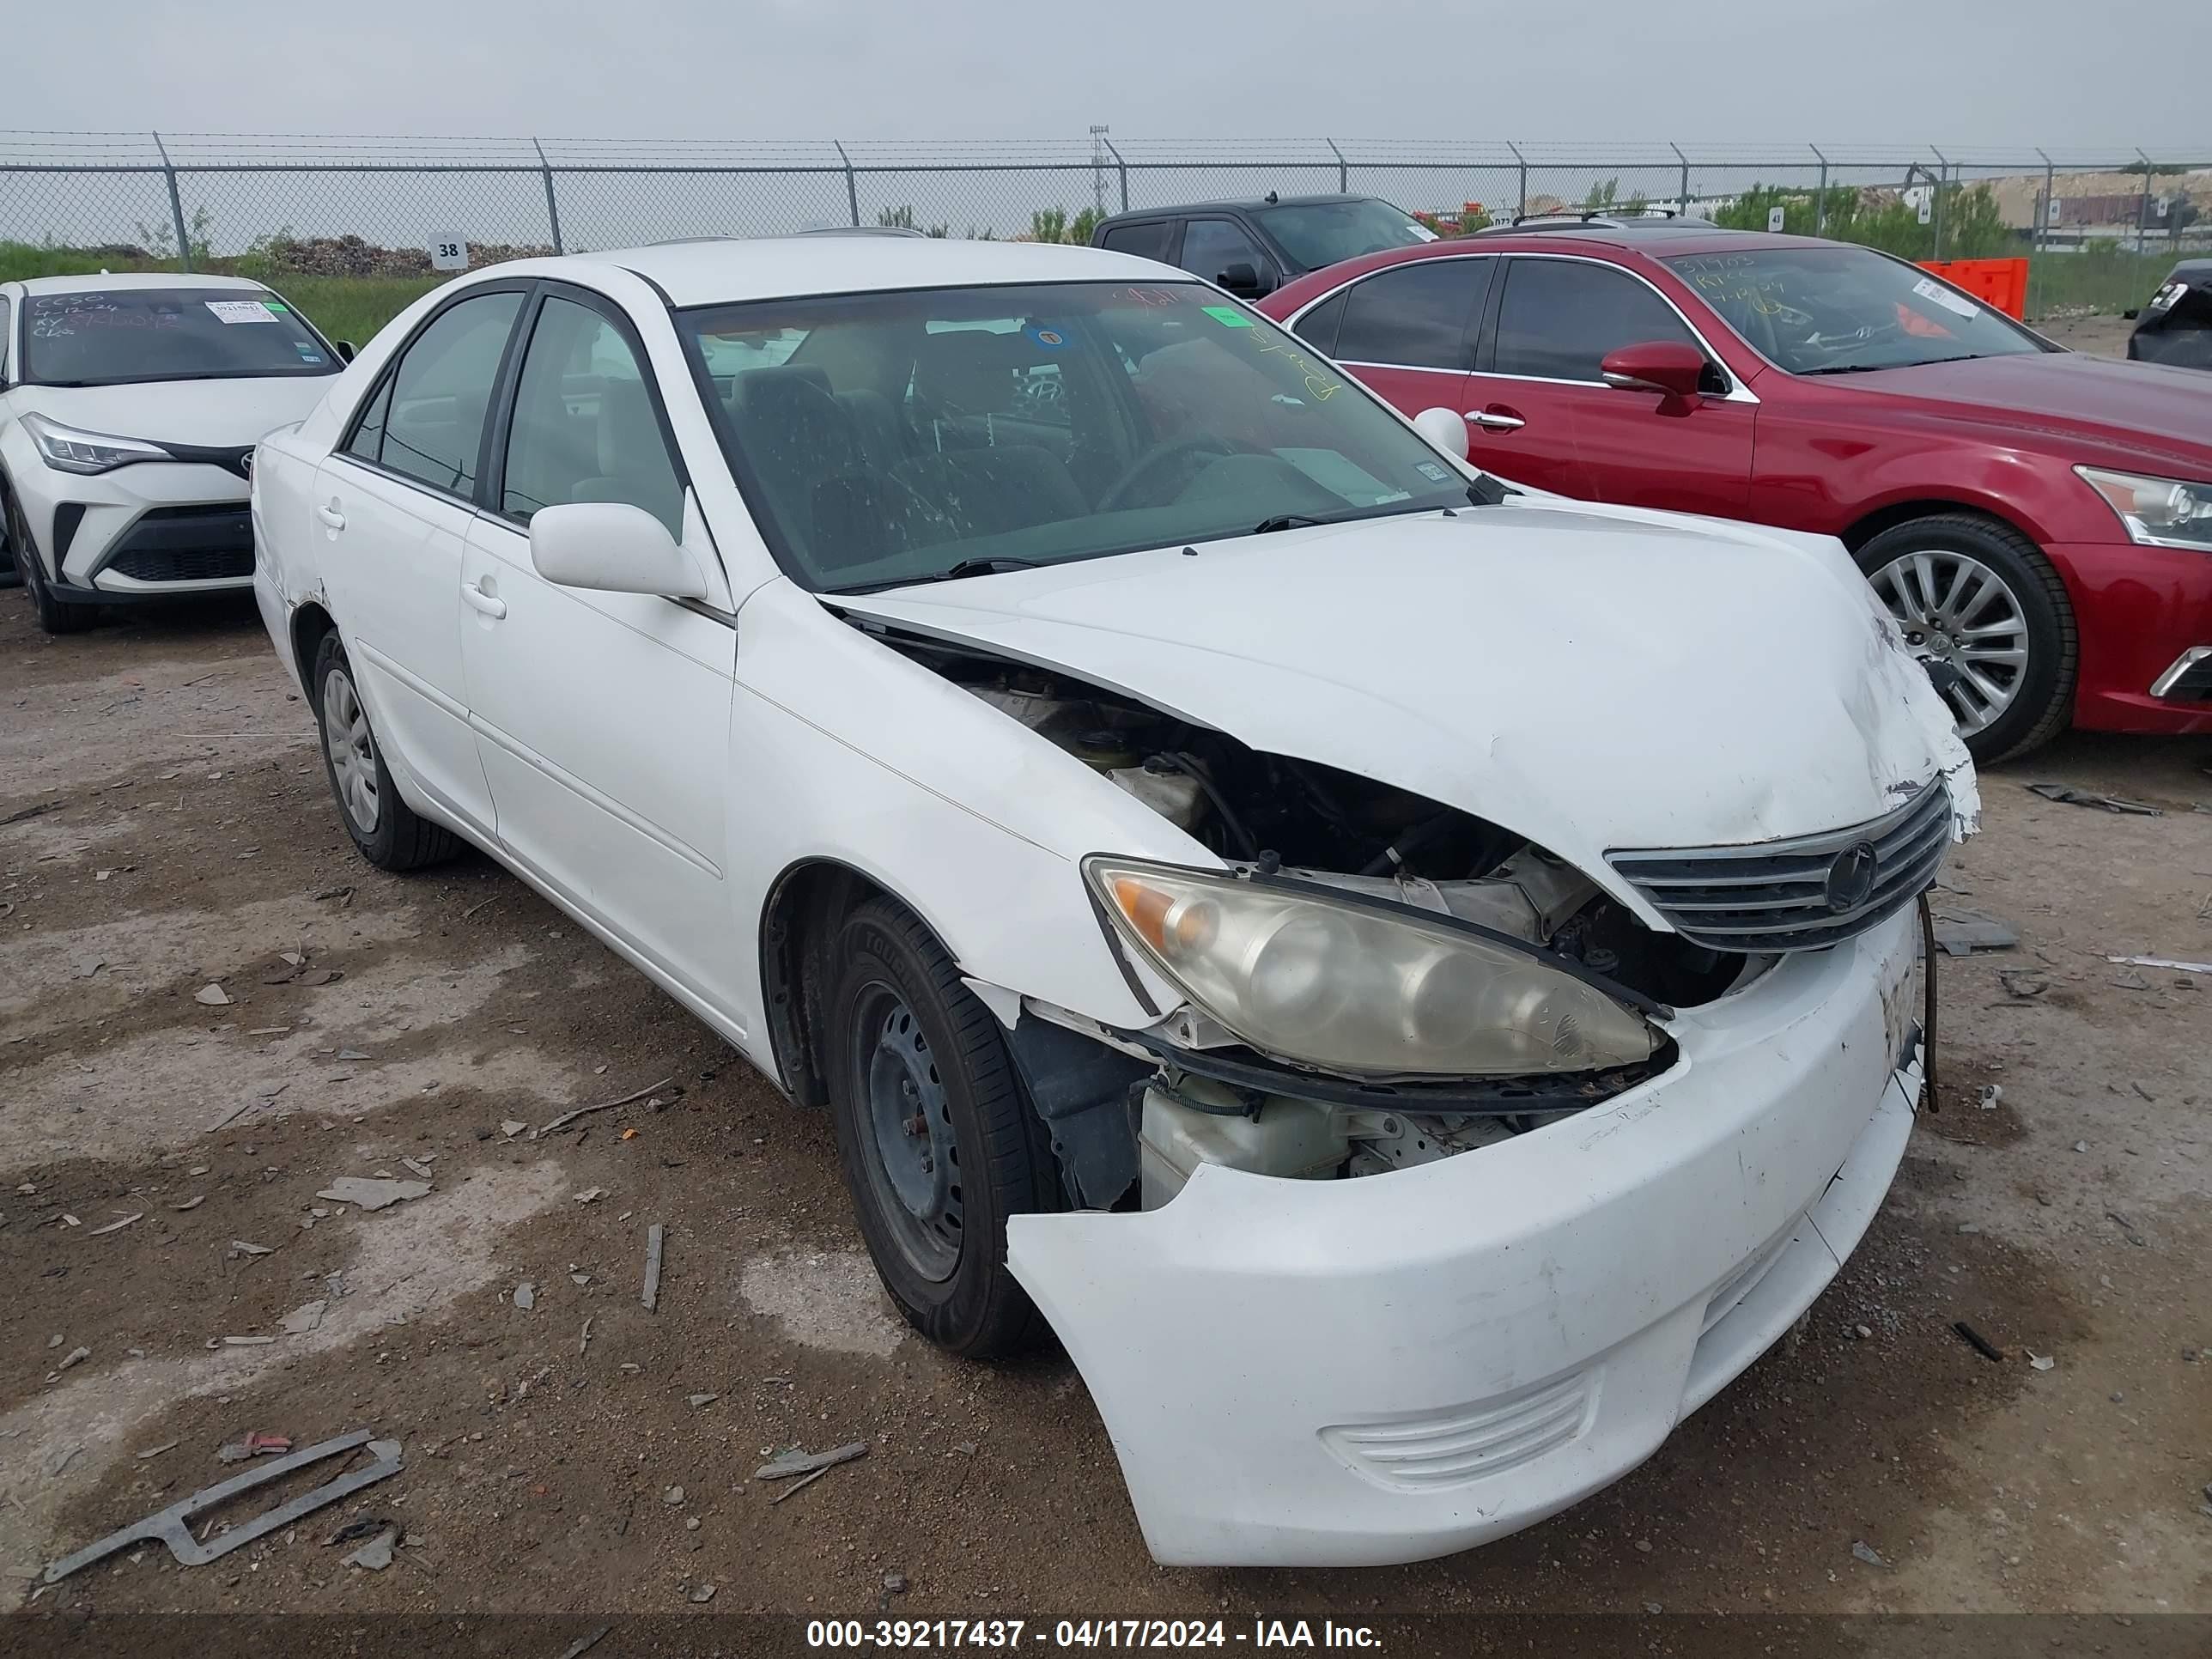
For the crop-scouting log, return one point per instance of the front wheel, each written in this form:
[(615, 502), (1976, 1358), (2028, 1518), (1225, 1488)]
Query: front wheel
[(937, 1145), (389, 833), (1978, 600), (55, 616)]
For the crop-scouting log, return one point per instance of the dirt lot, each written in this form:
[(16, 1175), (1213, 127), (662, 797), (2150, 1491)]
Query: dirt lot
[(165, 827)]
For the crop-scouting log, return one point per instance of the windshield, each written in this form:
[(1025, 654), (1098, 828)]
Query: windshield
[(114, 336), (913, 432), (1837, 310), (1317, 233)]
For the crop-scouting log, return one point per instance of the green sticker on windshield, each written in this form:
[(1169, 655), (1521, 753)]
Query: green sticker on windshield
[(1227, 316), (277, 306)]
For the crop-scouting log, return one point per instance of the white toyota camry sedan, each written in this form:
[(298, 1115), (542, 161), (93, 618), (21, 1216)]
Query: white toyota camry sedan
[(1412, 994)]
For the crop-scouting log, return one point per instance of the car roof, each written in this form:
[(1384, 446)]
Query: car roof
[(794, 267), (1247, 204), (108, 283), (1661, 238)]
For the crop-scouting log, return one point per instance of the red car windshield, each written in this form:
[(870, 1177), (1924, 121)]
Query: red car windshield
[(1833, 310)]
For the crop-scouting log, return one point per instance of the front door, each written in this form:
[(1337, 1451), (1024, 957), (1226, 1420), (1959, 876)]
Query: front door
[(1542, 414), (393, 505), (603, 719), (1407, 331)]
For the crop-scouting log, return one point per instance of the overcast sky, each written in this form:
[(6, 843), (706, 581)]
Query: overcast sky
[(2049, 72)]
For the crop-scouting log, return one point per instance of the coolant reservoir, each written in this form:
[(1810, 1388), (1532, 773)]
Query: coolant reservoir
[(1173, 795), (1295, 1140)]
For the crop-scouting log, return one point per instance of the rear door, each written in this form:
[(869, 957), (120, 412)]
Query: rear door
[(1407, 331), (602, 719), (1541, 412), (392, 506)]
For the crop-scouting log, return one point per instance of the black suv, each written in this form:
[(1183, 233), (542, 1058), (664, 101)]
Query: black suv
[(1253, 248), (2176, 326)]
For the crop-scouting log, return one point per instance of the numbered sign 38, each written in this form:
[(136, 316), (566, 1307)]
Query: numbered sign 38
[(448, 252)]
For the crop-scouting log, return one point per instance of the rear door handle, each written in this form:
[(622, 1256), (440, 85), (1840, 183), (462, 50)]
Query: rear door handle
[(331, 516), (1491, 420), (489, 603)]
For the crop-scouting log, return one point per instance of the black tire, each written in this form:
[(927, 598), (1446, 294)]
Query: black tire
[(9, 574), (396, 838), (2042, 701), (885, 966), (54, 616)]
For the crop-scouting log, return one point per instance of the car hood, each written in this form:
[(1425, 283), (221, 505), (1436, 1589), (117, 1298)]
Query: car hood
[(1591, 677), (213, 414), (2141, 406)]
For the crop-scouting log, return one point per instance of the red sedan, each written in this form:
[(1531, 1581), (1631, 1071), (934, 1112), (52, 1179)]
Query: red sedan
[(2039, 521)]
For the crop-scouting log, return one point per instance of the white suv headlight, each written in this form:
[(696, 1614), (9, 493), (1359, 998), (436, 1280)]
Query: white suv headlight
[(2157, 512), (1365, 989), (69, 450)]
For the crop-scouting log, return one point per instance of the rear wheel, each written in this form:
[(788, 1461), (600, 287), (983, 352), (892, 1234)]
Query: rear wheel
[(937, 1145), (55, 616), (389, 833), (1979, 602)]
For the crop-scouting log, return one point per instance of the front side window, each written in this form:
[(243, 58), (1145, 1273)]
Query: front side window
[(1417, 316), (1317, 233), (114, 336), (1210, 246), (584, 427), (912, 435), (3, 339), (1833, 310), (433, 405), (1560, 318)]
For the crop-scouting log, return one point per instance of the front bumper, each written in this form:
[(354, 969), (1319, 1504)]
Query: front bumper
[(1386, 1369), (2139, 611), (152, 531)]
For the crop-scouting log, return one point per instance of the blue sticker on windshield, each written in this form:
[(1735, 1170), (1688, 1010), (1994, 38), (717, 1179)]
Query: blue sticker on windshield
[(1050, 338)]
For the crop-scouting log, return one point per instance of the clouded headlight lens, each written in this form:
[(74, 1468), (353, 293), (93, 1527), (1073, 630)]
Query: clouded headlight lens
[(2157, 512), (69, 450), (1363, 989)]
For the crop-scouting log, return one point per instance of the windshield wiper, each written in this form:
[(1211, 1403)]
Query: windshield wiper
[(1863, 369), (990, 567), (1286, 521)]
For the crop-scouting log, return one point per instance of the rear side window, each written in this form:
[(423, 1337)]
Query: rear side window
[(433, 405), (1559, 318), (1417, 315), (584, 427), (1148, 240), (1317, 328)]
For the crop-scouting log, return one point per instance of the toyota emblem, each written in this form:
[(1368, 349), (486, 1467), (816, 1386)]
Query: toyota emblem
[(1851, 877), (246, 463)]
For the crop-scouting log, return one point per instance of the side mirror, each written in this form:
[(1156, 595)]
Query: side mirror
[(1241, 279), (613, 547), (2131, 314), (1667, 367), (1445, 428), (346, 349)]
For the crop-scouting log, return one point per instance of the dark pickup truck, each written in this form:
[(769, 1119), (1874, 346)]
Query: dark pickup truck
[(1253, 248)]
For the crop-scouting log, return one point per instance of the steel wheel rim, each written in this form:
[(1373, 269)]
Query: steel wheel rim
[(352, 750), (1955, 609), (908, 1120)]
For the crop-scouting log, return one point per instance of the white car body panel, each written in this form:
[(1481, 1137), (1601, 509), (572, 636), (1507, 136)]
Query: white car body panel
[(216, 414), (1530, 1318)]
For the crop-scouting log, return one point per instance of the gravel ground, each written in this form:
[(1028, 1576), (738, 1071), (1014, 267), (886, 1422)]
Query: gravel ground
[(164, 828)]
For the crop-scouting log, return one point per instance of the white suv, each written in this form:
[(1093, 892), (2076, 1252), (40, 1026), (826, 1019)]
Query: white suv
[(129, 409)]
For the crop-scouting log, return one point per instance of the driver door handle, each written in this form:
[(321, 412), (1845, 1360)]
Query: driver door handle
[(1491, 421), (331, 516), (491, 604)]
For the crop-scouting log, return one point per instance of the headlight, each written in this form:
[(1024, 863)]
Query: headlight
[(1363, 989), (2158, 512), (72, 450)]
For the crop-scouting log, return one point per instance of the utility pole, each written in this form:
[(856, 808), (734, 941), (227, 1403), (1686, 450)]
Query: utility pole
[(1098, 168)]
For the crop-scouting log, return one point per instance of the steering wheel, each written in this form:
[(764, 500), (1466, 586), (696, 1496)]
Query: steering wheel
[(1865, 334), (1152, 460)]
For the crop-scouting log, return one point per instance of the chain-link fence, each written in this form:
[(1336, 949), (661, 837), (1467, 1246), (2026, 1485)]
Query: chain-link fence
[(2098, 227)]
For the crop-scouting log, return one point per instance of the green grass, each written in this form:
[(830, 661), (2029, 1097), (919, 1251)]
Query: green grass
[(344, 308), (2104, 282)]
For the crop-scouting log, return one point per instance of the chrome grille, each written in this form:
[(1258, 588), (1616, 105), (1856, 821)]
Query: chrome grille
[(1799, 894)]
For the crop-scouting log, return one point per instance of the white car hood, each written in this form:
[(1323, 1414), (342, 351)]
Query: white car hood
[(1591, 677), (214, 414)]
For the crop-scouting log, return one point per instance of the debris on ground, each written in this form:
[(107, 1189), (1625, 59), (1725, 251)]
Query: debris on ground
[(673, 1498), (254, 1445), (655, 1236), (2089, 797), (511, 1127), (796, 1459), (371, 1193), (2023, 985), (590, 1195), (526, 1296), (240, 1247), (117, 1227), (213, 995), (2041, 1362), (171, 1526), (76, 1356), (353, 1532), (155, 1451), (376, 1554), (304, 1318), (192, 1203), (1980, 1344), (416, 1166), (704, 1593), (1863, 1551), (2163, 962), (1991, 1093), (584, 1643), (585, 1341), (894, 1582), (1960, 931), (249, 1342), (699, 1400), (605, 1105)]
